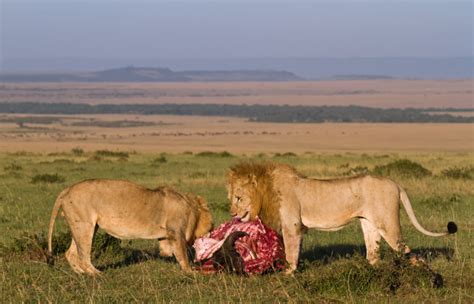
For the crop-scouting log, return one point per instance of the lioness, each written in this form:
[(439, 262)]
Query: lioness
[(290, 203), (129, 211)]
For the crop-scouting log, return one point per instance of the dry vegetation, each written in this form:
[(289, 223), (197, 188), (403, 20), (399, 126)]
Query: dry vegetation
[(182, 133), (371, 93), (42, 154), (332, 270)]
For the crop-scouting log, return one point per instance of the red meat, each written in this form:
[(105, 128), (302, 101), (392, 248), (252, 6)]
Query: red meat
[(261, 250)]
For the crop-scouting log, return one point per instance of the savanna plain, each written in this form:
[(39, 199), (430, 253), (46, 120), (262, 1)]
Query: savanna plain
[(41, 156)]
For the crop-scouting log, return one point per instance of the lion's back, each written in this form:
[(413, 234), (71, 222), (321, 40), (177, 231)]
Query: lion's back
[(124, 198)]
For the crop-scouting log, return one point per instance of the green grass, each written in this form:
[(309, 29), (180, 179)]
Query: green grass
[(332, 267)]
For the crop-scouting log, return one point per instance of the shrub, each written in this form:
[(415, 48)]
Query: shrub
[(47, 178), (214, 154), (12, 167), (402, 167), (77, 151), (61, 161), (197, 174), (286, 154), (159, 160), (459, 173), (359, 170), (108, 153), (391, 275)]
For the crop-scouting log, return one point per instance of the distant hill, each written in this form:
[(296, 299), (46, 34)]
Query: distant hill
[(139, 74), (308, 68)]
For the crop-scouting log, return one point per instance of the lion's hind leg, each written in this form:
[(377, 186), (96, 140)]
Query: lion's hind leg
[(372, 240), (393, 237), (83, 234), (73, 258)]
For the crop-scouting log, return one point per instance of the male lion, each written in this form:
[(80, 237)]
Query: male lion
[(290, 203), (129, 211)]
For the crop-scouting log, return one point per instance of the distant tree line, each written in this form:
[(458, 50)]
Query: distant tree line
[(258, 113)]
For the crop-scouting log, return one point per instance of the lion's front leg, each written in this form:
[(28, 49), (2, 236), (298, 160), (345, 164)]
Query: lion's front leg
[(292, 240), (178, 244)]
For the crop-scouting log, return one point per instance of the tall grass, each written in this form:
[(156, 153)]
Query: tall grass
[(332, 267)]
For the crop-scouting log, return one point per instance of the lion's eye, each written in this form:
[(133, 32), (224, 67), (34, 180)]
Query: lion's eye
[(238, 199)]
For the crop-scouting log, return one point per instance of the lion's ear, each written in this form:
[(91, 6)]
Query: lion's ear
[(230, 176), (228, 187), (253, 179)]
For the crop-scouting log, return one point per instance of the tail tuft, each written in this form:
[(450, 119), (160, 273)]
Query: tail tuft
[(452, 227), (437, 280), (50, 259)]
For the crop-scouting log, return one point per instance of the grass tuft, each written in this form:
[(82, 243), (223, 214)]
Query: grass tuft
[(13, 167), (358, 170), (34, 246), (48, 178), (108, 153), (459, 173), (214, 154), (159, 160), (402, 168), (77, 151), (355, 275)]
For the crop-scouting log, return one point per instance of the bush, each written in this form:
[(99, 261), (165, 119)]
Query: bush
[(159, 160), (197, 175), (359, 170), (402, 167), (12, 167), (47, 178), (108, 153), (286, 154), (77, 151), (391, 275), (459, 173), (60, 161), (214, 154)]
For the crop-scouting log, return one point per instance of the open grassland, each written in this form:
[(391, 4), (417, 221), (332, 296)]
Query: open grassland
[(152, 133), (370, 93), (332, 268)]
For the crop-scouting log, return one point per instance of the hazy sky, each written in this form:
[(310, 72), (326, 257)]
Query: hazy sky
[(231, 28)]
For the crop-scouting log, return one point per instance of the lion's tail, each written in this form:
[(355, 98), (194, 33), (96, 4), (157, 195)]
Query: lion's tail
[(54, 214), (452, 227)]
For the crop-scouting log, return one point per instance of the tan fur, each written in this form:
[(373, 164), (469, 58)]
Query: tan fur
[(290, 203), (264, 198), (129, 211)]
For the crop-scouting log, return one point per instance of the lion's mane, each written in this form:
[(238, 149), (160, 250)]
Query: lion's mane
[(265, 198)]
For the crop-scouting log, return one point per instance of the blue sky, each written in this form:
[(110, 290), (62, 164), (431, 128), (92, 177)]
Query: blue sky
[(235, 29)]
